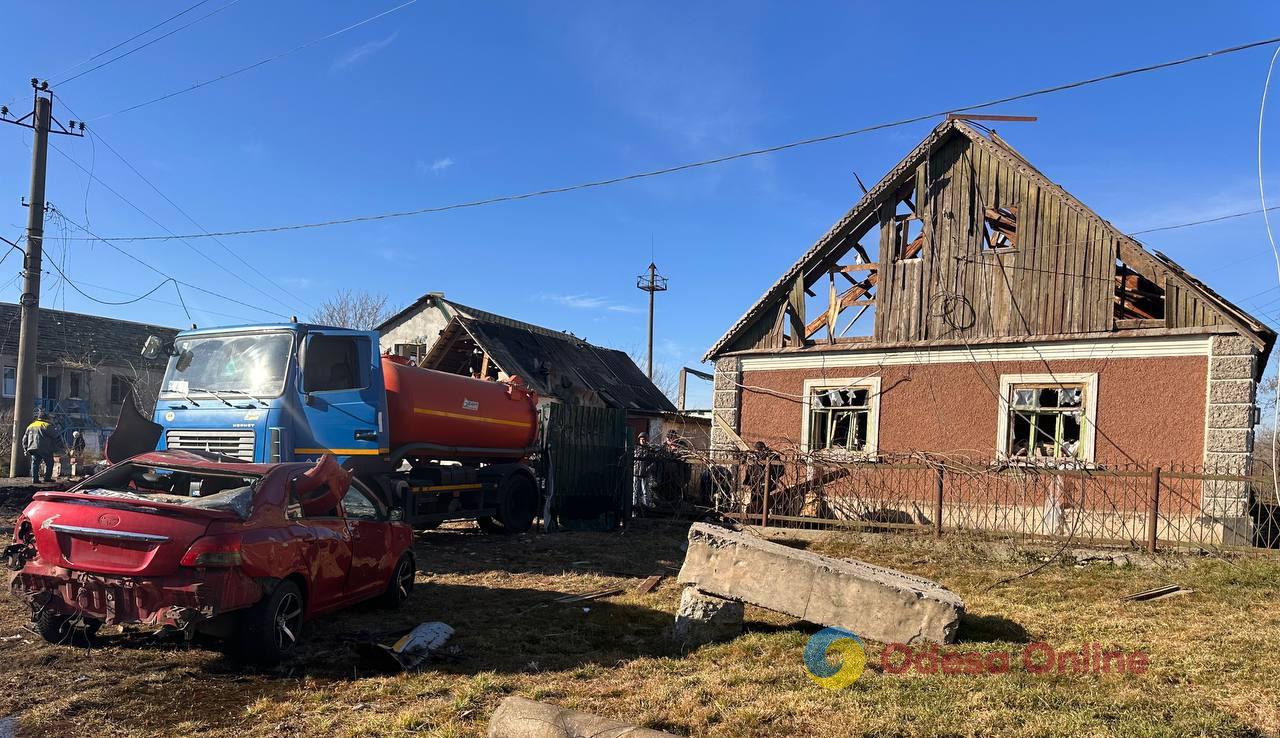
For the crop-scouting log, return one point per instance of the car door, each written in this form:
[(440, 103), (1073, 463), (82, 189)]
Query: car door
[(328, 553), (342, 396), (372, 555)]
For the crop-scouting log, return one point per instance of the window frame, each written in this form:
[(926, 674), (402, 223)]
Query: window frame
[(379, 513), (125, 382), (363, 345), (1088, 404), (872, 385), (4, 381)]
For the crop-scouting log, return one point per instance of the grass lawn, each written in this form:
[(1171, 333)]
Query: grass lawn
[(1213, 654)]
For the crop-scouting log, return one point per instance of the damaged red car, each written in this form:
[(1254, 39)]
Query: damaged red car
[(181, 540)]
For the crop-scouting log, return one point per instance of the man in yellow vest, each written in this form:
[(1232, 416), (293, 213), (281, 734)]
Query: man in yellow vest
[(40, 441)]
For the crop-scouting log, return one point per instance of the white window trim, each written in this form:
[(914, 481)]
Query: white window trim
[(873, 423), (9, 395), (1088, 433)]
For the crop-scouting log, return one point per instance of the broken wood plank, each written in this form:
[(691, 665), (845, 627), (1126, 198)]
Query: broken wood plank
[(649, 584), (609, 592), (1155, 594)]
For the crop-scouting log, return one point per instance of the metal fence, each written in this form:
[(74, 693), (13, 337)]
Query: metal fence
[(1135, 506)]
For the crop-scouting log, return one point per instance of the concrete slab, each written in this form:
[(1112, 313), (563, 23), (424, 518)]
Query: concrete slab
[(871, 601), (704, 618)]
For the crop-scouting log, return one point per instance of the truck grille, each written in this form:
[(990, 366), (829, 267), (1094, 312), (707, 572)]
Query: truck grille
[(237, 443)]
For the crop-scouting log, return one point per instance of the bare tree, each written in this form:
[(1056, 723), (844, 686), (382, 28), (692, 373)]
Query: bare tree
[(663, 378), (359, 310)]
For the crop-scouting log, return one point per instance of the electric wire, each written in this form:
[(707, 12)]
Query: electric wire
[(183, 241), (261, 62), (183, 283), (1275, 252), (100, 54), (136, 49), (95, 136), (714, 161)]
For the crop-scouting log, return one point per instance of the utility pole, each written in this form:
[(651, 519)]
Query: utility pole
[(651, 283), (40, 121)]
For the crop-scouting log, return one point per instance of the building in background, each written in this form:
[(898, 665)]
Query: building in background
[(87, 365), (968, 306), (447, 336)]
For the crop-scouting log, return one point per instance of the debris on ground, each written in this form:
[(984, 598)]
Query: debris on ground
[(1159, 593), (409, 651), (607, 592), (518, 717), (704, 618), (649, 584), (874, 602)]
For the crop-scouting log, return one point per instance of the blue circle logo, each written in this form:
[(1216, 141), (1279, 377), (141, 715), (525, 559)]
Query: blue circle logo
[(834, 658)]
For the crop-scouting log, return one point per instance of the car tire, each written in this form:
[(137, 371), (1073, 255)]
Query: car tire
[(61, 630), (518, 505), (271, 628), (401, 584)]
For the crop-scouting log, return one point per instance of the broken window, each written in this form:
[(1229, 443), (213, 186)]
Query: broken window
[(1000, 228), (840, 418), (908, 237), (1045, 421), (1136, 297)]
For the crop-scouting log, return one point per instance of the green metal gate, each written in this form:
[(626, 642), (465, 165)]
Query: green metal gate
[(589, 461)]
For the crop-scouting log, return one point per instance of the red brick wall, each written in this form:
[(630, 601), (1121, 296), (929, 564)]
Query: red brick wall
[(1149, 410)]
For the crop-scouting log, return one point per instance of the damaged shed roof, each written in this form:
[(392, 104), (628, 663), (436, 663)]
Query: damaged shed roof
[(552, 364)]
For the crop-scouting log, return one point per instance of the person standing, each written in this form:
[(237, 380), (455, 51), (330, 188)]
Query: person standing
[(40, 441), (641, 474), (75, 454)]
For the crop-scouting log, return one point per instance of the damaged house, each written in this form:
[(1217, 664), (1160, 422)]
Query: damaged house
[(447, 336), (967, 305)]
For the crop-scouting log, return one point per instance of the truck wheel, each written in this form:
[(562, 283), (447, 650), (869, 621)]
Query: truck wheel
[(401, 584), (490, 526), (518, 505), (271, 628)]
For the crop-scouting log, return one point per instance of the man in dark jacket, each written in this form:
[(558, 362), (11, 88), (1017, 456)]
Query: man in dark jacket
[(40, 441)]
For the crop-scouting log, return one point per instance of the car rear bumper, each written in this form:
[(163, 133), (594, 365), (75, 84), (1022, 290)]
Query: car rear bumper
[(180, 601)]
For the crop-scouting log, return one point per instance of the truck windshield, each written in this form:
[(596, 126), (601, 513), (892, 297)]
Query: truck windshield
[(253, 365)]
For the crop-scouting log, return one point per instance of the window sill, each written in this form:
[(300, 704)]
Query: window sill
[(1050, 464)]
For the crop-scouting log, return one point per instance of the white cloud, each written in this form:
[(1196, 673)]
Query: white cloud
[(590, 302), (439, 165), (363, 51)]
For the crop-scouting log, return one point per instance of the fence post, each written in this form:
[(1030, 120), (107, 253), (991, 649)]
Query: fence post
[(768, 482), (937, 502), (1153, 513)]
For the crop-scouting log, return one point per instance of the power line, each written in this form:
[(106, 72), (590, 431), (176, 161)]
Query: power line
[(259, 63), (127, 40), (188, 285), (719, 159), (184, 241), (1241, 214), (152, 41), (93, 135)]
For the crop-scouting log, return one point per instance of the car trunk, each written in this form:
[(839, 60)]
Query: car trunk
[(127, 536)]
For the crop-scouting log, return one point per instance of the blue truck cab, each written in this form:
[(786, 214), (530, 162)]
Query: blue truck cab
[(275, 392)]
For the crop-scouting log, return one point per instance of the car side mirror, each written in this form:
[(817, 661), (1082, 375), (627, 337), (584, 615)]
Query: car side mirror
[(395, 514)]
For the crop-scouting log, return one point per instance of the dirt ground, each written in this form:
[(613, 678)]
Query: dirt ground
[(1213, 669)]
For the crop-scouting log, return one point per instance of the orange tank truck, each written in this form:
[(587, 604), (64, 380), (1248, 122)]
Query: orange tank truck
[(449, 416)]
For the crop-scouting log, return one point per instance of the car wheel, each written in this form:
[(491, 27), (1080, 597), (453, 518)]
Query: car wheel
[(519, 504), (66, 631), (272, 627), (401, 584)]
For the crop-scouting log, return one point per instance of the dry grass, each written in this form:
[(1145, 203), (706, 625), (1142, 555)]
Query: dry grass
[(1213, 669)]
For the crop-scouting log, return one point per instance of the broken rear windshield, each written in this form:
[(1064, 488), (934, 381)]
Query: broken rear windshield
[(228, 492)]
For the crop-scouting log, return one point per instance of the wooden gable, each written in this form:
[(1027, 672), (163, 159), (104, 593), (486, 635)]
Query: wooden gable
[(964, 239)]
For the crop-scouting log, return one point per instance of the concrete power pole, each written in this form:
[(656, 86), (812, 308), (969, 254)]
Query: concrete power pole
[(651, 283), (39, 121)]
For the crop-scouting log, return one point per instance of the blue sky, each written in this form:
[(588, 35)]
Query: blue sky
[(445, 102)]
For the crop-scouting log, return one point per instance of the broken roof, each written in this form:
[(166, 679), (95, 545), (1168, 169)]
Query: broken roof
[(533, 352), (1157, 267), (76, 339), (452, 308)]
